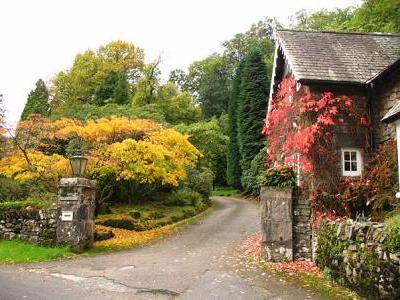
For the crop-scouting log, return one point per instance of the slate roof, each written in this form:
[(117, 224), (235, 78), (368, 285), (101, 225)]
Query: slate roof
[(340, 57), (393, 113)]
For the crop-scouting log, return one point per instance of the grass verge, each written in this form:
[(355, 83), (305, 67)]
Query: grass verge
[(313, 283), (20, 252), (226, 191)]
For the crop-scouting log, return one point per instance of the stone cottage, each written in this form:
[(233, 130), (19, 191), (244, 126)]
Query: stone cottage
[(362, 66)]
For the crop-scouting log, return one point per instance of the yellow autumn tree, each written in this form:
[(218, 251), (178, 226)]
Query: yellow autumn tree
[(160, 157), (34, 166), (120, 149)]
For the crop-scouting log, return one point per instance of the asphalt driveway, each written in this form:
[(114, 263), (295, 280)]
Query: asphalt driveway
[(199, 263)]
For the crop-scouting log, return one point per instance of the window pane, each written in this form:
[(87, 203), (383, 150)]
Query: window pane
[(353, 166), (346, 155), (347, 166), (353, 156)]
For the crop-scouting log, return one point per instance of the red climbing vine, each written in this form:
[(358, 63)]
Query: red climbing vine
[(303, 123), (301, 127)]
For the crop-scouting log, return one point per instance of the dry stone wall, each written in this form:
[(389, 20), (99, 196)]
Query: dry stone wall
[(355, 254), (30, 225)]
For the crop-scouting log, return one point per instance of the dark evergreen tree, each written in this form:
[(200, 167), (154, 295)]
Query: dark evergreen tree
[(121, 92), (106, 90), (252, 106), (234, 172), (38, 101)]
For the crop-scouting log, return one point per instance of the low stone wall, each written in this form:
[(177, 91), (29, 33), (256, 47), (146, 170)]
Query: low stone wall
[(355, 254), (31, 225)]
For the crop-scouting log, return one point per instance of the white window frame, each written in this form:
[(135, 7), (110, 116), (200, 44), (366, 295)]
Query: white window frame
[(359, 160)]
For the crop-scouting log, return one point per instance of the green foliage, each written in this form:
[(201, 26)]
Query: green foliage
[(371, 16), (177, 107), (200, 181), (323, 19), (135, 214), (38, 101), (147, 85), (121, 91), (213, 85), (254, 91), (103, 234), (393, 242), (258, 36), (278, 176), (156, 215), (17, 205), (250, 177), (20, 252), (330, 251), (376, 16), (106, 90), (78, 84), (12, 190), (208, 137), (90, 79), (186, 197), (234, 171)]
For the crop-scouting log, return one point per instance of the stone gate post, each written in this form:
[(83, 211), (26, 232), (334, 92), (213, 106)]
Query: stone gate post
[(276, 223), (76, 212)]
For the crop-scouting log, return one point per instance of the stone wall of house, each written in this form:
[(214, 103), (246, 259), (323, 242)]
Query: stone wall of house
[(356, 254), (31, 225), (385, 96)]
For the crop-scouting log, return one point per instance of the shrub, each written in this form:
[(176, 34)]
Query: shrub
[(280, 176), (185, 197), (200, 181), (156, 215), (330, 251), (250, 176), (393, 242), (135, 214), (102, 234), (10, 190)]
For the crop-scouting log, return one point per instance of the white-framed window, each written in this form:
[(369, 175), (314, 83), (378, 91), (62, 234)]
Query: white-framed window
[(352, 162)]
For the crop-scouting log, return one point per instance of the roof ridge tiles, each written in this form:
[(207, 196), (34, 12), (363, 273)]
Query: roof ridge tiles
[(395, 34)]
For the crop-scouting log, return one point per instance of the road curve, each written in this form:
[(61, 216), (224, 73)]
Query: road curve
[(199, 263)]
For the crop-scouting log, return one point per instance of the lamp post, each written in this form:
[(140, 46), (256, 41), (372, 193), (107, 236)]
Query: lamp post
[(76, 207), (78, 164)]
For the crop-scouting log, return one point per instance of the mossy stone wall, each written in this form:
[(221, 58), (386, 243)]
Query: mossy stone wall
[(356, 254)]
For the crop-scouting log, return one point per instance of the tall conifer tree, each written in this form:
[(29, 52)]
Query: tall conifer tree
[(252, 106), (38, 101), (234, 171)]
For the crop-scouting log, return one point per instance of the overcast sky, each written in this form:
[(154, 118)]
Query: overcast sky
[(41, 37)]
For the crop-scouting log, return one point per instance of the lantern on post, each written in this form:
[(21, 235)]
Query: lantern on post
[(78, 163)]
